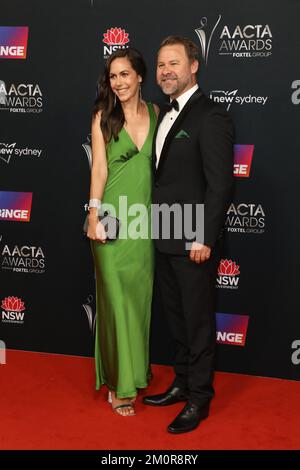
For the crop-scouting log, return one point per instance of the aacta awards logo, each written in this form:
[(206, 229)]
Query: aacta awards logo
[(115, 38), (228, 274), (21, 98), (88, 150), (13, 42), (246, 41), (205, 34), (245, 218), (23, 259), (13, 310), (237, 41), (89, 307)]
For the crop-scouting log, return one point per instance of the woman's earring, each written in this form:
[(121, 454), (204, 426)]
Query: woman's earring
[(141, 98), (115, 100)]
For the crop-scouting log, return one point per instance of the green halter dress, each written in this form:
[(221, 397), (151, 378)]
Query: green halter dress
[(124, 270)]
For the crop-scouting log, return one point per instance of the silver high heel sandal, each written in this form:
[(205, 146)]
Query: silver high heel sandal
[(118, 408), (109, 398)]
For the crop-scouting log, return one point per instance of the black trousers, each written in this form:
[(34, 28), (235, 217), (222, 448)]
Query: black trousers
[(188, 294)]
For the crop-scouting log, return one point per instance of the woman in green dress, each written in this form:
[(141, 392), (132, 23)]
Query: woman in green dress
[(122, 132)]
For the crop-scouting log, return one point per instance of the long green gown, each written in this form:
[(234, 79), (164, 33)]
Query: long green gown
[(124, 272)]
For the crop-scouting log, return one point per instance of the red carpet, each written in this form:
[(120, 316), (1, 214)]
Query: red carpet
[(48, 402)]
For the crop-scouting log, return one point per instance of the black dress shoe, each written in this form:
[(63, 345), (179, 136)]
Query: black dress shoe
[(189, 418), (171, 396)]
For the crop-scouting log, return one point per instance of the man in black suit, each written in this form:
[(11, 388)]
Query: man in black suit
[(193, 165)]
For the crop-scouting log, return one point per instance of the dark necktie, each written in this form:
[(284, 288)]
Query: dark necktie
[(173, 105)]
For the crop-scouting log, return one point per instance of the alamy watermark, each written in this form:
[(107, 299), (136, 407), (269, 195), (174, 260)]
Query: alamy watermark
[(179, 221)]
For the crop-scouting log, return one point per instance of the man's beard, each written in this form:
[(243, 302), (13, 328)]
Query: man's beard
[(169, 85), (173, 88)]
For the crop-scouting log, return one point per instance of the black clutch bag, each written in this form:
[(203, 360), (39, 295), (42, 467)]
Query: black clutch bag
[(111, 226)]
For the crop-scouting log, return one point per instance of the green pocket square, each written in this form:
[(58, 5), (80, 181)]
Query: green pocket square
[(181, 135)]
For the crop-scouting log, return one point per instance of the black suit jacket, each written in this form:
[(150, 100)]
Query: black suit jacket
[(196, 167)]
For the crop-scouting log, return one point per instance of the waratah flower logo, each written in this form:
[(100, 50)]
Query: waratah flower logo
[(13, 304), (116, 36), (228, 267)]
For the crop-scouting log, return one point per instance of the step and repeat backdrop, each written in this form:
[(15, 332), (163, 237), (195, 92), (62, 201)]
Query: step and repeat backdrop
[(51, 54)]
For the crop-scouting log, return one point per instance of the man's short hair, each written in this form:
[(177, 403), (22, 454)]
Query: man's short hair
[(190, 47)]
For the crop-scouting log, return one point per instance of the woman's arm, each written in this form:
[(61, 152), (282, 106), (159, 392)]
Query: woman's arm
[(98, 173)]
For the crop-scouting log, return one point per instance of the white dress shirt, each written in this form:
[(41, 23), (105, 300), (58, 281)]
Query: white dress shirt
[(169, 119)]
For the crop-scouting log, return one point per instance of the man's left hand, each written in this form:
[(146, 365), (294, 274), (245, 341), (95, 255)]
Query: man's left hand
[(199, 253)]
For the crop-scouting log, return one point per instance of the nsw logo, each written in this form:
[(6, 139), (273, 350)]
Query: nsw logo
[(115, 38), (228, 274), (13, 310)]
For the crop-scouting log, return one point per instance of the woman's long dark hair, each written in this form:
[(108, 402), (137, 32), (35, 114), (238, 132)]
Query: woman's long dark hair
[(112, 117)]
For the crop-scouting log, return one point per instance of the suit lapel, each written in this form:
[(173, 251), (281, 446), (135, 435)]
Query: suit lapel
[(174, 129)]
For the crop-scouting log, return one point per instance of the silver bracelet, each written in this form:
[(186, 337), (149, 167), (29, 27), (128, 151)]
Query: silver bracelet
[(94, 203)]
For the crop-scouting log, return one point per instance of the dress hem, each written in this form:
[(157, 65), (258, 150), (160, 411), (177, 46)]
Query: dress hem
[(122, 395)]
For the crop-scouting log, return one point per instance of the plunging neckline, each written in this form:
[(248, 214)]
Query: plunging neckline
[(131, 139)]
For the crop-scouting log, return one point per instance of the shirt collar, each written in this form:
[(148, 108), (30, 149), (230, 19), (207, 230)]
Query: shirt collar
[(183, 99)]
